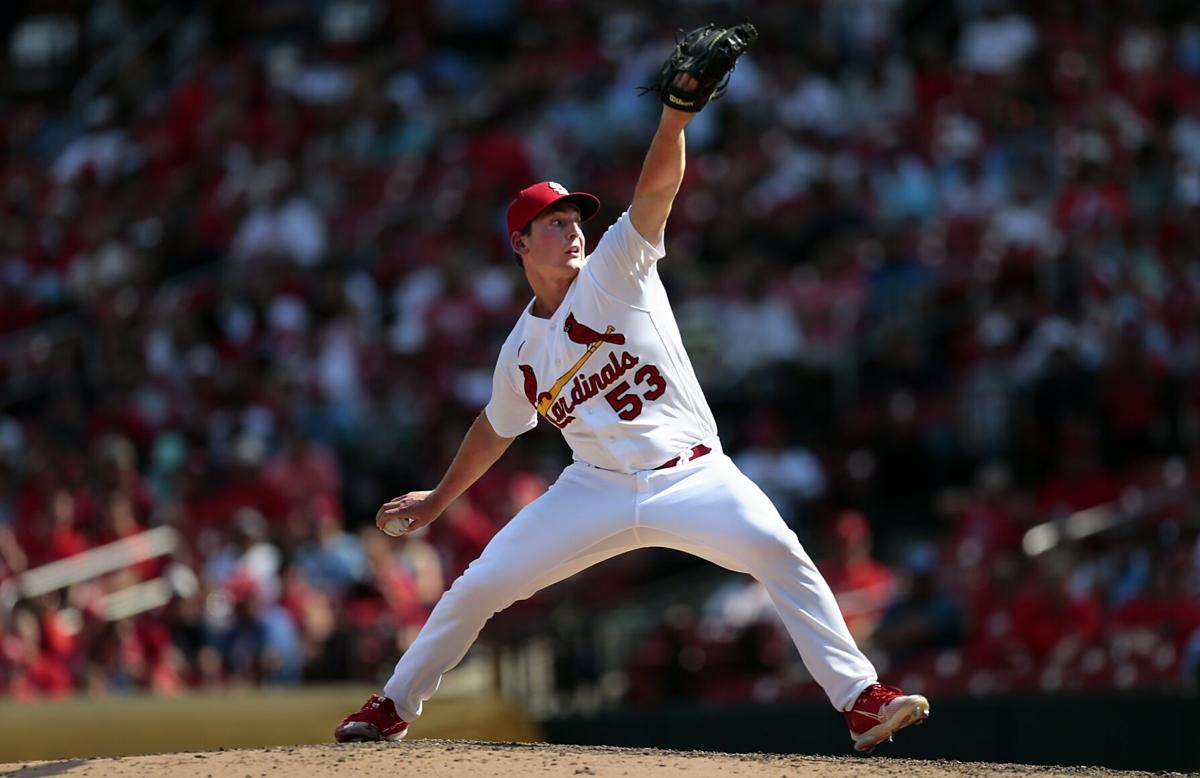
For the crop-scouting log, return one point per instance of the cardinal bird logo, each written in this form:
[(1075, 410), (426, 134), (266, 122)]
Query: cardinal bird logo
[(530, 387), (586, 336), (577, 333)]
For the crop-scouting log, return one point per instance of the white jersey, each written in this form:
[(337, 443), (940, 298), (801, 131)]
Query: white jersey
[(608, 368)]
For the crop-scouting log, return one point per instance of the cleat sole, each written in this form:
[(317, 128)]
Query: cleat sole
[(915, 711), (362, 732)]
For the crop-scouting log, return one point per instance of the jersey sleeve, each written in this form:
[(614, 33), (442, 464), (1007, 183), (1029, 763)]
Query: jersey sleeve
[(509, 411), (623, 260)]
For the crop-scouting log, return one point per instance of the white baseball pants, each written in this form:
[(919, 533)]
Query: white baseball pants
[(705, 507)]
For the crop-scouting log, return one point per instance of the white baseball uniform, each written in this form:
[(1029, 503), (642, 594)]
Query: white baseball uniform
[(609, 369)]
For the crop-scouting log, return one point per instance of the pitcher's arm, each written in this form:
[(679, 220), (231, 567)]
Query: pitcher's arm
[(480, 449)]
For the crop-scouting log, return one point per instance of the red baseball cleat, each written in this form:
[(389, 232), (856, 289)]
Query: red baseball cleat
[(375, 720), (882, 710)]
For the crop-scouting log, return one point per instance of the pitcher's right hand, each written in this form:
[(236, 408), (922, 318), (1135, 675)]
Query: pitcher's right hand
[(421, 507)]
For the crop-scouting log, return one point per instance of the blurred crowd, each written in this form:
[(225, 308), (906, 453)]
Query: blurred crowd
[(935, 262)]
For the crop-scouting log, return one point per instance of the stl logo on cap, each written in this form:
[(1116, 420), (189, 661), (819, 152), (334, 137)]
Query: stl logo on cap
[(557, 187)]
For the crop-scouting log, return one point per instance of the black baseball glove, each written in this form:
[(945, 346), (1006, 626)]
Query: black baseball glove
[(708, 55)]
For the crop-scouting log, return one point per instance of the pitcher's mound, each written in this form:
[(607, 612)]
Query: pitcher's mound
[(471, 759)]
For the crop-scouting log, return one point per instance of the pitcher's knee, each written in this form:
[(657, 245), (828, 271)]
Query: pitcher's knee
[(773, 550), (492, 592)]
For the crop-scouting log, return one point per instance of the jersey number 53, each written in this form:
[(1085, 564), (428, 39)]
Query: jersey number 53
[(628, 404)]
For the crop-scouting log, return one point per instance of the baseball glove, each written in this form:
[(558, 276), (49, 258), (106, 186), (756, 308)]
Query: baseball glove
[(708, 55)]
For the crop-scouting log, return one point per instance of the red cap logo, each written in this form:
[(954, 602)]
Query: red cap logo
[(532, 200)]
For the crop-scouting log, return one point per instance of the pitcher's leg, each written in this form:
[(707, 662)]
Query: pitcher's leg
[(719, 514), (573, 526)]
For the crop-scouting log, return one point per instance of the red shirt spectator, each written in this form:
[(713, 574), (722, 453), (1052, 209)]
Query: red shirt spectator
[(863, 586), (1046, 621)]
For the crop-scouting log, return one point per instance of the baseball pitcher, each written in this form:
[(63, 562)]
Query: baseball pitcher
[(598, 354)]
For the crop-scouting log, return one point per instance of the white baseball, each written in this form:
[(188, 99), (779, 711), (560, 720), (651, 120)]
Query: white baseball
[(397, 526)]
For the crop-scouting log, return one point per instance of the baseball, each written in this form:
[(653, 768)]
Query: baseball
[(397, 526)]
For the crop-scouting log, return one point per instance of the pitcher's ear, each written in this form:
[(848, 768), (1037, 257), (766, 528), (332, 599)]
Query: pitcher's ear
[(520, 242)]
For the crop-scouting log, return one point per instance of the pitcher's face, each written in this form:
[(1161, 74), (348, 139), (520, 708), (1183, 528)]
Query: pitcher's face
[(555, 241)]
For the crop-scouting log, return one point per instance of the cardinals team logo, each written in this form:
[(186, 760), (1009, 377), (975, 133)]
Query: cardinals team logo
[(557, 187), (627, 396), (584, 336)]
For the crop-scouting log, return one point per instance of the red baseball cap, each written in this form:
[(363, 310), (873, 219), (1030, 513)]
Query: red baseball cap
[(532, 200)]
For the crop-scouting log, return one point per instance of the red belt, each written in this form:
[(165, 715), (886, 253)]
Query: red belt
[(696, 452)]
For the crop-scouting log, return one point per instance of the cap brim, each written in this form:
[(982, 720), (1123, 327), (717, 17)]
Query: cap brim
[(587, 204)]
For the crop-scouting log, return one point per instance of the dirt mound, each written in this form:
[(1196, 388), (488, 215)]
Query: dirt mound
[(471, 759)]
